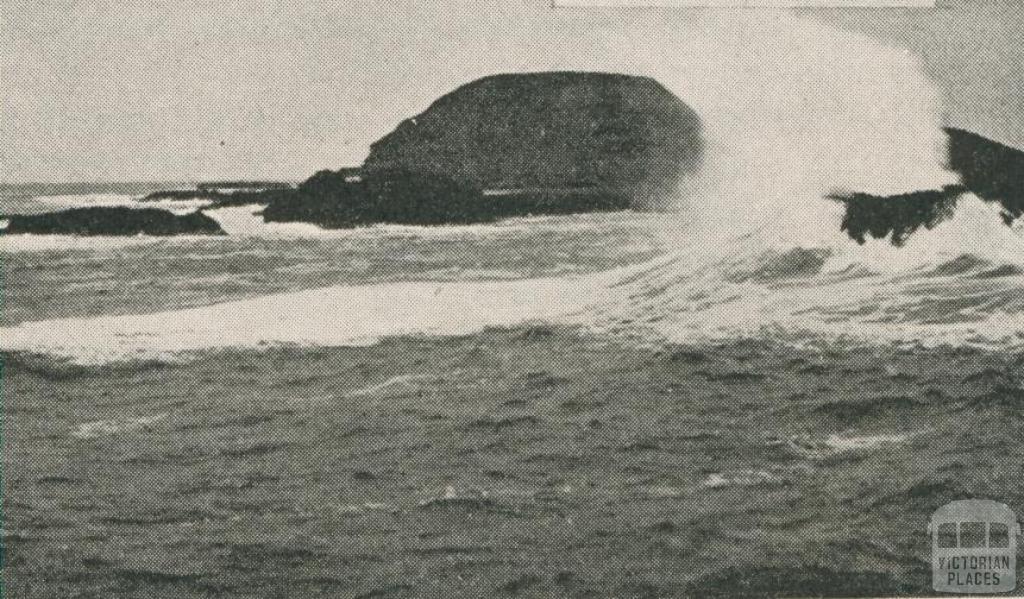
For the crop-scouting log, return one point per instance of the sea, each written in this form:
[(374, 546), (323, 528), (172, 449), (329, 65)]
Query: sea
[(630, 404), (76, 278), (728, 397), (648, 276)]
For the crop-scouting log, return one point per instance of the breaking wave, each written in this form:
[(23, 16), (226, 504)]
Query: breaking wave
[(63, 202), (794, 112), (936, 290)]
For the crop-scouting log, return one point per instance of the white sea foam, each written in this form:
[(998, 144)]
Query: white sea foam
[(793, 110), (857, 443), (21, 243), (823, 448), (246, 221), (403, 380), (680, 298), (332, 316), (64, 202), (92, 430)]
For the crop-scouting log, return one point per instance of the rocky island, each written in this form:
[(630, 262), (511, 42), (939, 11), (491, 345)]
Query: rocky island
[(111, 221), (511, 145), (550, 131), (536, 144)]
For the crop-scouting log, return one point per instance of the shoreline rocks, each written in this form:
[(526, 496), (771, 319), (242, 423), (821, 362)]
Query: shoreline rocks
[(111, 221), (554, 130)]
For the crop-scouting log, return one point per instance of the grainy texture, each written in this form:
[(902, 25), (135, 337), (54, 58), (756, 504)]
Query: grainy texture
[(533, 461), (498, 299)]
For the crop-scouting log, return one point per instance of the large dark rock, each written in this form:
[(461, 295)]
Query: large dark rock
[(992, 171), (328, 200), (897, 217), (505, 146), (112, 221), (550, 131)]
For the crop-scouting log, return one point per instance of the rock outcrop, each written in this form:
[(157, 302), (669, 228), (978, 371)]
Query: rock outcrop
[(897, 217), (112, 221), (328, 200), (220, 192), (506, 146), (550, 131), (992, 171)]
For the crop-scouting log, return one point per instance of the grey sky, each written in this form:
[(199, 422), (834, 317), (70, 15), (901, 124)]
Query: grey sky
[(152, 90)]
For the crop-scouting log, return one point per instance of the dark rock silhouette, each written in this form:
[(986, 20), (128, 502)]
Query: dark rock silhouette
[(900, 215), (329, 200), (562, 143), (992, 171), (506, 146), (112, 221), (242, 185), (186, 194), (218, 191), (556, 130)]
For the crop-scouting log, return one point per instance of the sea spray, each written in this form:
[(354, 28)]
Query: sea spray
[(793, 111)]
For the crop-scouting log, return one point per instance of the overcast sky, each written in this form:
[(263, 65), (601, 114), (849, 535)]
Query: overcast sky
[(106, 90)]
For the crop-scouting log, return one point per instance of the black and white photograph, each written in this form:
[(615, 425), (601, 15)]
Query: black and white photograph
[(401, 299)]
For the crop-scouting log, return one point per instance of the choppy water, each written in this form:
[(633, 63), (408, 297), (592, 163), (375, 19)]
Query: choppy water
[(55, 276), (28, 198), (648, 276)]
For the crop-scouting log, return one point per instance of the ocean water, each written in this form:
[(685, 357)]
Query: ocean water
[(29, 198), (649, 277), (729, 398), (748, 247), (595, 405), (58, 276)]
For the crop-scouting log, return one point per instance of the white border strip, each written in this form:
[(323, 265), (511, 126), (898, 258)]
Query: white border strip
[(744, 3)]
